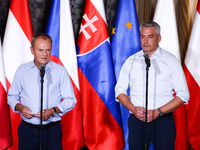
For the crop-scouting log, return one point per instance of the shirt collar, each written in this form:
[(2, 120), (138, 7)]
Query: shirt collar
[(157, 53), (48, 65)]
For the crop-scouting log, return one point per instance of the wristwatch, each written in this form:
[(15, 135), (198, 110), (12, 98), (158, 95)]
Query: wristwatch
[(160, 113), (54, 113)]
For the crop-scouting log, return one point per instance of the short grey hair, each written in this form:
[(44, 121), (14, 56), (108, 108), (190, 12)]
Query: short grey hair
[(151, 24), (40, 35)]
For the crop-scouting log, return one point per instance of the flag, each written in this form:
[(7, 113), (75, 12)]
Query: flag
[(165, 17), (191, 69), (64, 52), (16, 49), (5, 127), (125, 41), (101, 114)]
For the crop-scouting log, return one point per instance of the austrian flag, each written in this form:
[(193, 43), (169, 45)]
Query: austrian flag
[(191, 69), (16, 50)]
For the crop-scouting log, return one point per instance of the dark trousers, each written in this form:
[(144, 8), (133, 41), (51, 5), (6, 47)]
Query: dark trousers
[(29, 137), (161, 132)]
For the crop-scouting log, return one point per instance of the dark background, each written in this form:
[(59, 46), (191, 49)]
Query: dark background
[(40, 11), (184, 9)]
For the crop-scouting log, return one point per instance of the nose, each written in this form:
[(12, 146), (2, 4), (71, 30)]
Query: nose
[(145, 40), (44, 52)]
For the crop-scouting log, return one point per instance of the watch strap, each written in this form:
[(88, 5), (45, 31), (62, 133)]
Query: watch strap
[(160, 113), (54, 114)]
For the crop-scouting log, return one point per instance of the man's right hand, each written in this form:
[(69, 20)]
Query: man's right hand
[(139, 112), (26, 112)]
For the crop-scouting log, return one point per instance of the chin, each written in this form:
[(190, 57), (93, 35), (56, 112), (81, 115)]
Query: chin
[(146, 51), (44, 62)]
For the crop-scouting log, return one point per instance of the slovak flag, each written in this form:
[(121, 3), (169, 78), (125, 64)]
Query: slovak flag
[(192, 73), (16, 49), (101, 113), (64, 52)]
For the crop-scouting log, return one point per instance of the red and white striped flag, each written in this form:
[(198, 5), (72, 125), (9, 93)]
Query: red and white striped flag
[(166, 18), (5, 127), (16, 49), (192, 73)]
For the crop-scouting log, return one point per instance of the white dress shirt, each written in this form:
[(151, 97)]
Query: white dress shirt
[(165, 76)]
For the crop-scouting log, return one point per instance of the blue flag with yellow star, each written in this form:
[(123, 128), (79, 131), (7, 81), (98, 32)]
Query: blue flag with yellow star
[(125, 41)]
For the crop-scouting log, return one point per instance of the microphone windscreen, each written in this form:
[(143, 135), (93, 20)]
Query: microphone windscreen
[(42, 67), (147, 60), (146, 55), (42, 71)]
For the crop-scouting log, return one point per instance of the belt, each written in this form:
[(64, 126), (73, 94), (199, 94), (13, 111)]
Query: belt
[(164, 115), (43, 126)]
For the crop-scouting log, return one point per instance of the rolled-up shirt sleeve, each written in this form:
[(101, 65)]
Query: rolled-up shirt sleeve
[(67, 95), (13, 96), (123, 80), (179, 81)]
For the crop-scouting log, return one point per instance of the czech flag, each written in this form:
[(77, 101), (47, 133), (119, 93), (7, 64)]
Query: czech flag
[(64, 52)]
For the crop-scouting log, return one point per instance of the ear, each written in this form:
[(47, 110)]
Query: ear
[(31, 47), (159, 38)]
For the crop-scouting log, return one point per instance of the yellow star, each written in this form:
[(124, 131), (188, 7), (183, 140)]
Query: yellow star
[(113, 31), (129, 25)]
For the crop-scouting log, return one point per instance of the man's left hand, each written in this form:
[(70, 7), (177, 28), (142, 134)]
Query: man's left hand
[(152, 115), (46, 114)]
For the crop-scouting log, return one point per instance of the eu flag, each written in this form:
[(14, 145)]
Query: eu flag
[(125, 41)]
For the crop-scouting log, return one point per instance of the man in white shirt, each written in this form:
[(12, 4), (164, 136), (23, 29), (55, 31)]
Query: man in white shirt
[(165, 77)]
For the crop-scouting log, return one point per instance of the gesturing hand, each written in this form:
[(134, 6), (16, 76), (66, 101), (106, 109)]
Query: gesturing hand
[(26, 112), (46, 114)]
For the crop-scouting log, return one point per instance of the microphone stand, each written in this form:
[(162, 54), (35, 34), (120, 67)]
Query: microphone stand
[(42, 72), (147, 74), (148, 64)]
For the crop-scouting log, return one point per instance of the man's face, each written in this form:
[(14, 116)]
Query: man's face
[(149, 40), (41, 51)]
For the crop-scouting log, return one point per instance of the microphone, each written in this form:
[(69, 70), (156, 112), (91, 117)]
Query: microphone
[(147, 60), (42, 70)]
